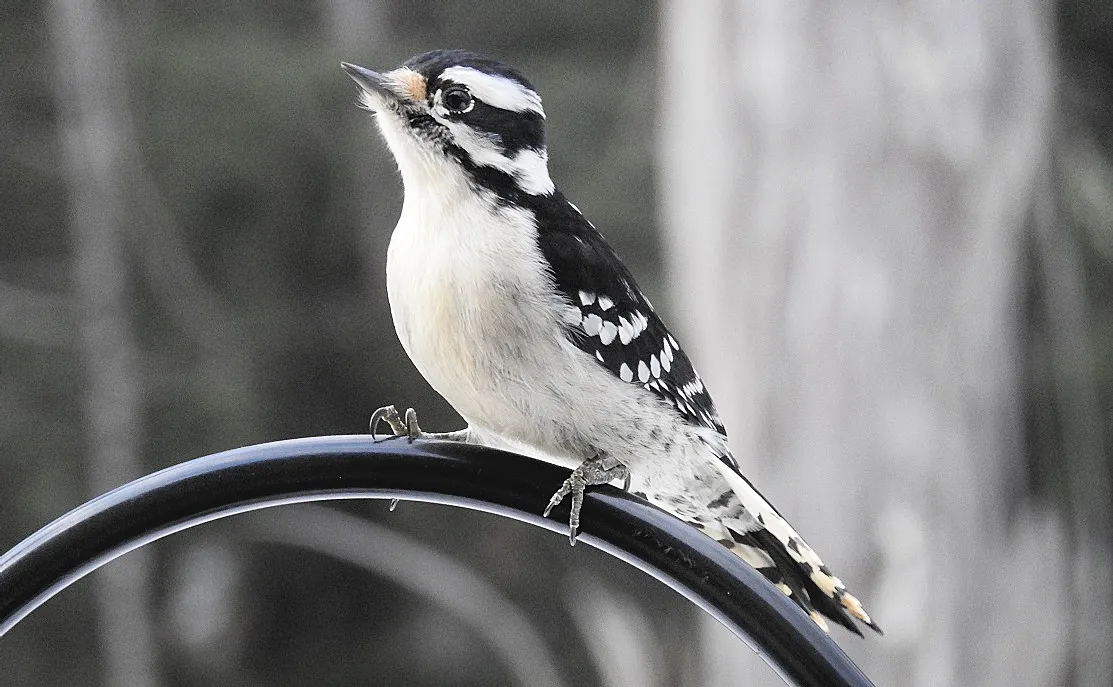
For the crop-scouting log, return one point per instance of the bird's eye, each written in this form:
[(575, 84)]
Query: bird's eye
[(457, 99)]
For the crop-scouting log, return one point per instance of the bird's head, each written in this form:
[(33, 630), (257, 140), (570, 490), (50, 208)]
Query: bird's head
[(452, 112)]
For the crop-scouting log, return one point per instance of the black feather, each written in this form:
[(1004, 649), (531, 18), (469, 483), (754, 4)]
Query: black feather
[(804, 592), (581, 260)]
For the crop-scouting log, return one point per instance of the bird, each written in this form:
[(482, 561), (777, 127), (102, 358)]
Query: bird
[(516, 310)]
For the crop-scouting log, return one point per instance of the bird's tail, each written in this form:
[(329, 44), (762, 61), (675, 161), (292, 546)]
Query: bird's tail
[(779, 553)]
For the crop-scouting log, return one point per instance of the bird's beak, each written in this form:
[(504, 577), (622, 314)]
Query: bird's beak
[(370, 81), (397, 86)]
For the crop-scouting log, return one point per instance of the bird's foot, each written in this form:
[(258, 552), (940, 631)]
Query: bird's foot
[(388, 414), (407, 426), (598, 470)]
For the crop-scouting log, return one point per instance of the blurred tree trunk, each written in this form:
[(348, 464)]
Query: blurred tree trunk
[(90, 94), (846, 190)]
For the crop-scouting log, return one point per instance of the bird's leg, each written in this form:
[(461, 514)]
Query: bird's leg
[(408, 427), (600, 469)]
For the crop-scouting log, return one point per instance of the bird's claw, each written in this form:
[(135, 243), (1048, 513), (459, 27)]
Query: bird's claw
[(574, 485), (388, 414), (593, 471), (413, 431), (406, 426)]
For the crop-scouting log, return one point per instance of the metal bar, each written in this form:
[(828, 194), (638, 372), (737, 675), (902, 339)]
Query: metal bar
[(345, 467)]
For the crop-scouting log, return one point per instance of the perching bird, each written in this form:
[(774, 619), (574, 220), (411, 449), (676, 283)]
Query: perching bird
[(517, 310)]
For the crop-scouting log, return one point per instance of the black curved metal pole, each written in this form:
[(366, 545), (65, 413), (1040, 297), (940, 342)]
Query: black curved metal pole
[(338, 467)]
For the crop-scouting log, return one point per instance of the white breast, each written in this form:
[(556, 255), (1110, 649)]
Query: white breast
[(465, 284)]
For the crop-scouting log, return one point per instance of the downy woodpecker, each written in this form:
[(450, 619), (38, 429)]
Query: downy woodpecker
[(517, 310)]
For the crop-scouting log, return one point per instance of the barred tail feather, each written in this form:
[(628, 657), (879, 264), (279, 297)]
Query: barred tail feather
[(787, 561)]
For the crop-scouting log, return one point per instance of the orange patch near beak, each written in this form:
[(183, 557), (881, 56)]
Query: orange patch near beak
[(412, 84)]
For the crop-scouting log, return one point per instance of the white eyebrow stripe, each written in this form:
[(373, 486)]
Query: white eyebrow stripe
[(496, 91)]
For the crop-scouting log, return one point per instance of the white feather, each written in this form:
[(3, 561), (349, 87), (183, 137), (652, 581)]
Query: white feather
[(497, 91)]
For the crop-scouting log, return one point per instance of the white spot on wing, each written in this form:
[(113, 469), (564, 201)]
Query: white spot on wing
[(643, 371), (625, 330), (607, 333), (666, 360), (587, 298), (592, 323), (625, 373), (605, 303), (654, 366), (599, 356), (639, 323)]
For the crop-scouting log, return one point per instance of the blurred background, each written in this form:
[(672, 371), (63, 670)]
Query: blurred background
[(883, 231)]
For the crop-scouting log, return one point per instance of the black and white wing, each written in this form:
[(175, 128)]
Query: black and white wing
[(612, 320)]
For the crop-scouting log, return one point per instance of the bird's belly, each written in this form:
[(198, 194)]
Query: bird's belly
[(462, 326), (434, 332)]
